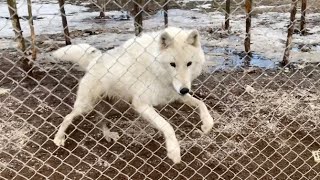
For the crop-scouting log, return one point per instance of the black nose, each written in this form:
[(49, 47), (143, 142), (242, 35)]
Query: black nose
[(184, 91)]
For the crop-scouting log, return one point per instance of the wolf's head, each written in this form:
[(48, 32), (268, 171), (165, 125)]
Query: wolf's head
[(182, 56)]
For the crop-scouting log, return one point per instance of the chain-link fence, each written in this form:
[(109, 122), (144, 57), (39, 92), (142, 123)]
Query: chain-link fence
[(260, 84)]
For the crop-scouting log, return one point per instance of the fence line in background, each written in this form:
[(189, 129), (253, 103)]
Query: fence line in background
[(139, 5)]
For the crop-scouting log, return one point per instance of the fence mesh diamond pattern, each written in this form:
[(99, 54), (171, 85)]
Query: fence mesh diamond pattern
[(260, 84)]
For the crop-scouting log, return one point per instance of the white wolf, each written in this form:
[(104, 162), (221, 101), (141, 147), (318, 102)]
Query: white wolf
[(153, 69)]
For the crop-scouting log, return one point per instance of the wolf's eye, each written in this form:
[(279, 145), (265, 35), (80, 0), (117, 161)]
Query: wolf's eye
[(189, 63), (173, 64)]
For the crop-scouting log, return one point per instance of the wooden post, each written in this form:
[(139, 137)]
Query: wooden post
[(227, 16), (286, 56), (102, 4), (247, 40), (23, 62), (12, 6), (138, 16), (303, 17), (64, 22), (33, 36), (165, 13)]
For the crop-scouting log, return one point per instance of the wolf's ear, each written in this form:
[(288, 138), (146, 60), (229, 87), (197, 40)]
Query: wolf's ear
[(165, 40), (194, 38)]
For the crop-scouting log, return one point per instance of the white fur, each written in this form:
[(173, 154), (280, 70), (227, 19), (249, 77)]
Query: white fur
[(82, 54), (139, 71)]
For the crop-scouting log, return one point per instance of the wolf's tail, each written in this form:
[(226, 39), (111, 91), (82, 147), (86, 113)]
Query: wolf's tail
[(81, 54)]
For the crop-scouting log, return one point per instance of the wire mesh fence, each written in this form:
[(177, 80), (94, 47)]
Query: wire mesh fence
[(260, 84)]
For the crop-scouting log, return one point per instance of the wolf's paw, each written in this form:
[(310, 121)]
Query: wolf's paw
[(207, 124), (174, 155), (59, 140), (173, 152), (109, 135)]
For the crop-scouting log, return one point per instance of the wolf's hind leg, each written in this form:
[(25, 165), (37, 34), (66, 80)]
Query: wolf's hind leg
[(148, 113), (89, 90)]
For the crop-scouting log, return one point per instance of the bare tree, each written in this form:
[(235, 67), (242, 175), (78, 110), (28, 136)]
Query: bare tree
[(64, 22), (227, 16), (303, 17), (165, 10), (247, 41), (33, 36), (12, 6), (286, 56), (24, 62), (138, 11)]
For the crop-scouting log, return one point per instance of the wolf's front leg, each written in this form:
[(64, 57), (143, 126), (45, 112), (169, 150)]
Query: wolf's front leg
[(148, 112), (204, 113)]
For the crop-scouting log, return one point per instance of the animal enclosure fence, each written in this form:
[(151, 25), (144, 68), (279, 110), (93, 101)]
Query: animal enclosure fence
[(260, 84)]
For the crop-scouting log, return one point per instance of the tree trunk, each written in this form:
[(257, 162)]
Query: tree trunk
[(12, 6), (227, 16), (64, 22), (165, 13), (102, 5), (286, 56), (23, 62), (33, 36), (138, 4), (247, 41), (303, 17)]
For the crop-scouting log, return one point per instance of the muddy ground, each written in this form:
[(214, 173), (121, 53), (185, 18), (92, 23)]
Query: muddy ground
[(262, 134)]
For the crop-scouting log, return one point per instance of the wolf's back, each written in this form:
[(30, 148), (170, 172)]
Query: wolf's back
[(81, 54)]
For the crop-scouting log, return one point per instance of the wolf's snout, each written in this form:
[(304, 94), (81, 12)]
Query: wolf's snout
[(184, 91)]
